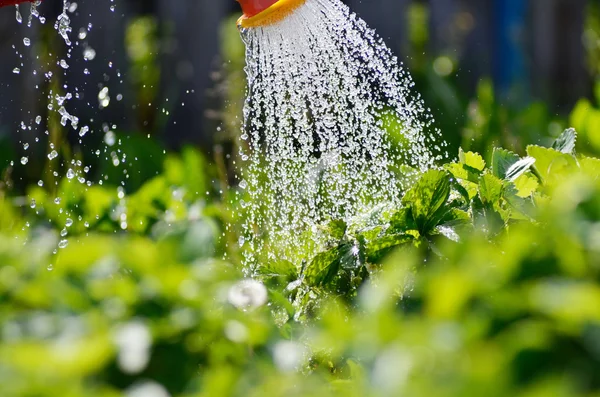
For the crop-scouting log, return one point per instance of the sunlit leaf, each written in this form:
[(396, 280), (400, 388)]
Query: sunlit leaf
[(322, 268), (490, 189), (526, 185), (565, 143), (502, 160), (427, 198), (519, 168), (471, 159)]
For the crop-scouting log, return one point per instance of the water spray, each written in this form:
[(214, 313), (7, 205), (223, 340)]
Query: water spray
[(259, 13)]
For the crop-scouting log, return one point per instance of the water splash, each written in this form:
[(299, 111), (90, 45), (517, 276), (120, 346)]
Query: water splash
[(332, 126), (59, 102)]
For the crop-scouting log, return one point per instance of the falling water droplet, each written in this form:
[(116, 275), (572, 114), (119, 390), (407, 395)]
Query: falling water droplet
[(110, 138), (18, 16), (26, 41), (89, 54)]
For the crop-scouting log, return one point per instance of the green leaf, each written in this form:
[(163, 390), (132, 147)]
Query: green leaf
[(464, 192), (519, 168), (463, 172), (490, 189), (485, 217), (337, 229), (453, 220), (471, 159), (590, 166), (402, 221), (502, 160), (565, 143), (323, 267), (455, 217), (519, 208), (427, 198), (526, 185), (278, 268), (351, 256), (376, 249), (543, 158)]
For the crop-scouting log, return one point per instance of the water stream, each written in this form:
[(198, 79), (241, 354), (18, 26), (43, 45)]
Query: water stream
[(332, 125)]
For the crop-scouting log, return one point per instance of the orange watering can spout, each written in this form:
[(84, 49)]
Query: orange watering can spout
[(265, 12), (4, 3)]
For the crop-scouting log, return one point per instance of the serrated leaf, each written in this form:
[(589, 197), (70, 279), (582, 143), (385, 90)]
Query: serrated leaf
[(519, 168), (463, 172), (455, 217), (485, 217), (370, 234), (351, 256), (377, 248), (428, 197), (472, 159), (590, 166), (322, 268), (464, 192), (502, 160), (565, 143), (337, 229), (453, 220), (526, 185), (278, 268), (402, 220), (519, 208), (543, 158), (490, 189)]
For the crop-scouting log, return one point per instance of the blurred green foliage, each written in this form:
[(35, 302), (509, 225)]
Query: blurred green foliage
[(485, 281)]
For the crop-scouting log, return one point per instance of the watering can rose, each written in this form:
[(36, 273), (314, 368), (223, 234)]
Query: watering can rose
[(253, 7), (4, 3), (266, 12)]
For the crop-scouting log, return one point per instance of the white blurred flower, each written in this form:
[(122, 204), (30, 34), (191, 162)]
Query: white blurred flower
[(247, 294), (147, 389), (288, 356), (236, 331), (391, 369), (133, 340)]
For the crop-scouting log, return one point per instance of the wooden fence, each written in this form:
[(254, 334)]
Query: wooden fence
[(535, 45)]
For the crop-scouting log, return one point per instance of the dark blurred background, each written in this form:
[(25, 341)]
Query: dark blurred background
[(497, 70)]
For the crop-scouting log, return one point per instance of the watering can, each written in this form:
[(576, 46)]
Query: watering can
[(256, 12), (259, 13), (4, 3)]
